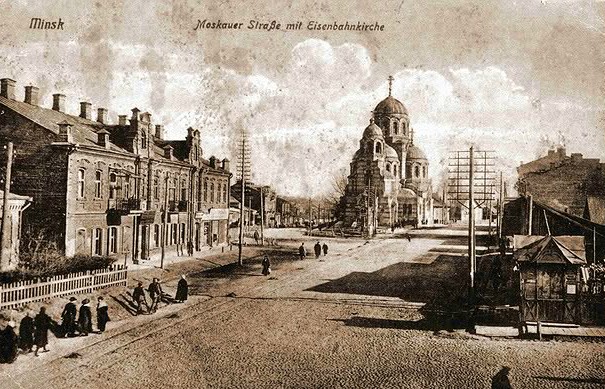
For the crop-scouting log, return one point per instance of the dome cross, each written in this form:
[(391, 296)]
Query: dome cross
[(390, 84)]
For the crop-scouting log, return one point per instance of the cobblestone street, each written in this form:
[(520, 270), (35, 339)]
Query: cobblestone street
[(357, 319)]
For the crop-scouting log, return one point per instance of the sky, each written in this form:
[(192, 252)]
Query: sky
[(517, 77)]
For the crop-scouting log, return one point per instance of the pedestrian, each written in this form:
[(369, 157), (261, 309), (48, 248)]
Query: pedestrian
[(325, 248), (182, 290), (69, 317), (317, 249), (256, 236), (42, 323), (26, 332), (9, 347), (155, 294), (190, 248), (138, 295), (266, 266), (409, 237), (102, 314), (302, 252), (85, 318), (178, 249)]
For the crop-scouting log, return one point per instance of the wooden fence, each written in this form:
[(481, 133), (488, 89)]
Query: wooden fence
[(21, 293)]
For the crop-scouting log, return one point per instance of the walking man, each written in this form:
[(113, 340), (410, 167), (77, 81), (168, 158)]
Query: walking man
[(8, 341), (190, 248), (266, 266), (325, 248), (182, 290), (85, 318), (69, 317), (256, 236), (302, 253), (26, 332), (155, 294), (42, 322), (138, 295), (317, 249)]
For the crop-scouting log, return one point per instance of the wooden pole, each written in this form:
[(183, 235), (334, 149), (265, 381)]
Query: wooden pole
[(164, 223), (5, 251), (471, 234), (501, 207), (241, 205), (262, 216)]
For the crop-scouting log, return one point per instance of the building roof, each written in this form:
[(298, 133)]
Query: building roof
[(595, 207), (372, 131), (390, 105), (415, 152), (14, 196), (406, 193), (390, 152), (551, 249)]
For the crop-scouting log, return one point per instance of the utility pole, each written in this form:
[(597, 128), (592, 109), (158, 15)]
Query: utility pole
[(5, 254), (262, 216), (471, 227), (241, 204), (501, 207), (310, 226), (165, 223)]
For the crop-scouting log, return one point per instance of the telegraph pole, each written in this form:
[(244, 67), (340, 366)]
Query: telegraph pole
[(310, 226), (471, 227), (241, 204), (164, 223), (262, 216), (500, 207), (5, 255)]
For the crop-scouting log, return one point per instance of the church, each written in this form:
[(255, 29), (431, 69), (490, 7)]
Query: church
[(389, 182)]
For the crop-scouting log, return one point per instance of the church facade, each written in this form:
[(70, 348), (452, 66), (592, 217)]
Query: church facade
[(389, 182)]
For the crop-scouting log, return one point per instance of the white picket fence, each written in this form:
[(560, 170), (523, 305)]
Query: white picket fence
[(18, 294)]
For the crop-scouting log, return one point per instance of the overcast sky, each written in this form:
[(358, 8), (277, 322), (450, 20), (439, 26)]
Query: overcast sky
[(514, 76)]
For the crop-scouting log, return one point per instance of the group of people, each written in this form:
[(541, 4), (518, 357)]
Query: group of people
[(181, 246), (80, 321), (318, 249), (156, 293)]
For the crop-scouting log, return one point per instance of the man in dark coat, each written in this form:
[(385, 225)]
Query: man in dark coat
[(266, 266), (42, 323), (256, 236), (325, 248), (102, 314), (190, 248), (155, 293), (317, 249), (501, 380), (85, 318), (69, 317), (8, 342), (26, 332), (138, 295), (302, 253), (182, 290)]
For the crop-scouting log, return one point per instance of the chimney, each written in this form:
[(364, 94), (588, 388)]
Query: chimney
[(31, 95), (122, 120), (576, 157), (102, 115), (65, 132), (85, 110), (551, 152), (168, 152), (7, 88), (59, 102), (213, 162), (225, 164), (561, 150), (103, 138), (159, 131)]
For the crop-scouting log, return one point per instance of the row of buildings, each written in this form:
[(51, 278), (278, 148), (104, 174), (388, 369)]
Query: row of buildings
[(110, 187)]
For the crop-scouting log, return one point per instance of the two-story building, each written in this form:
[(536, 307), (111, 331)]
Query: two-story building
[(111, 189)]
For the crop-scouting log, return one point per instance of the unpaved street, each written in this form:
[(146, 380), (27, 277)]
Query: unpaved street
[(357, 319)]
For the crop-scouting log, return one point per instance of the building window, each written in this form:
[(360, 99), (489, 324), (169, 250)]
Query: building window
[(81, 183), (182, 232), (225, 193), (97, 242), (416, 171), (378, 147), (395, 170), (183, 190), (172, 190), (173, 238), (205, 190), (424, 172), (98, 186), (113, 183), (143, 140), (127, 187), (112, 240), (212, 193), (156, 188), (388, 167), (156, 235)]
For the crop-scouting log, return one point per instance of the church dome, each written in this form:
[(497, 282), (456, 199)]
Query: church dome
[(372, 131), (390, 152), (414, 152), (390, 105)]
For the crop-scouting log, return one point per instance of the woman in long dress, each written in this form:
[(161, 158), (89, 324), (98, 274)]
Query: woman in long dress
[(42, 323), (182, 290), (85, 318), (26, 332), (102, 314), (266, 266)]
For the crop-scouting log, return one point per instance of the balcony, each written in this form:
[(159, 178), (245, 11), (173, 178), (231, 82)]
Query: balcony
[(126, 206), (178, 206)]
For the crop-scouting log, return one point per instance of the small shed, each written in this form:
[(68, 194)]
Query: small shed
[(549, 268)]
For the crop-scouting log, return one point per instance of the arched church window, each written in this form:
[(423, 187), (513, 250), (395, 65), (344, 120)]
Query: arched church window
[(416, 171), (388, 167), (396, 127), (378, 147), (402, 127), (395, 170), (143, 140), (424, 172)]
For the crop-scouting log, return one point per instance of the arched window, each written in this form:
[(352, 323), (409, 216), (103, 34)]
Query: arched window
[(206, 190), (156, 188), (388, 167), (143, 140), (113, 182), (225, 193), (424, 172), (395, 170), (416, 171), (395, 127), (97, 242), (81, 183), (378, 147), (98, 184), (212, 193), (183, 190)]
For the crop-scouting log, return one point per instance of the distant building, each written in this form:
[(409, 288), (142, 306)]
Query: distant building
[(562, 182), (104, 189), (389, 180), (252, 199)]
